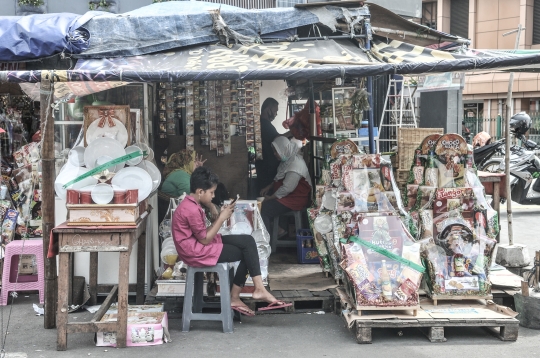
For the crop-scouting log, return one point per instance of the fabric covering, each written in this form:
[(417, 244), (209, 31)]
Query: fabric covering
[(291, 160), (35, 36), (188, 227)]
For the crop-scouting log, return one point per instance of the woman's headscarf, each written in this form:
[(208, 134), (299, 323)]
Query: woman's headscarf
[(182, 160), (291, 160)]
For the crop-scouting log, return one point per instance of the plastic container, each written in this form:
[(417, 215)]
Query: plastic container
[(306, 253)]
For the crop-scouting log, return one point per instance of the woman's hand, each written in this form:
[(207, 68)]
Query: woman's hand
[(198, 162), (226, 212), (265, 190)]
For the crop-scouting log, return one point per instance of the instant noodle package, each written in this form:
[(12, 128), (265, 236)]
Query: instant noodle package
[(359, 232), (451, 218)]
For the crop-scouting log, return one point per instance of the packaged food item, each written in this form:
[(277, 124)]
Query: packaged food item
[(8, 225)]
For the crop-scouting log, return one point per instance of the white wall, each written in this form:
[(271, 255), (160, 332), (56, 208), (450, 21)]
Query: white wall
[(275, 89)]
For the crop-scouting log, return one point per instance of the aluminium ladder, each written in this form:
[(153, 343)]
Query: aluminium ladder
[(400, 110)]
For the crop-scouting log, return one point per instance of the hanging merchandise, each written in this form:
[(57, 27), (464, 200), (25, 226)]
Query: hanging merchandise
[(207, 113), (226, 115), (190, 89), (203, 113), (454, 223), (219, 119), (255, 110)]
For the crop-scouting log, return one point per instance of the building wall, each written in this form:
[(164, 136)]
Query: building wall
[(408, 8)]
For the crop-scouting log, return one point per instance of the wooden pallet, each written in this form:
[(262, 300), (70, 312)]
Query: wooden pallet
[(434, 328), (435, 298), (303, 301)]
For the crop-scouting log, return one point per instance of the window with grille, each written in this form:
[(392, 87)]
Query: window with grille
[(459, 18), (536, 22), (248, 4), (429, 14)]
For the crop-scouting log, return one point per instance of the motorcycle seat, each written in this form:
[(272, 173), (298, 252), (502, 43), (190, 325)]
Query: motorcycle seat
[(482, 152)]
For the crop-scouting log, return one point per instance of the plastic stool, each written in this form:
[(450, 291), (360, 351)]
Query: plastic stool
[(23, 247), (274, 243), (194, 302)]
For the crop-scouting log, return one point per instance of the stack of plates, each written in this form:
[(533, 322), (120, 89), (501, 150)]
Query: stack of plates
[(134, 178)]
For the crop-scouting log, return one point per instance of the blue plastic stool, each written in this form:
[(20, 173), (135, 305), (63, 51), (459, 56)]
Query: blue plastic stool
[(194, 302)]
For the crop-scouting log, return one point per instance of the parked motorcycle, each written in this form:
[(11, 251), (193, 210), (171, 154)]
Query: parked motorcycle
[(524, 164)]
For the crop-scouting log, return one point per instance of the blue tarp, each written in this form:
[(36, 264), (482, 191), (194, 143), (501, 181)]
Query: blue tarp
[(31, 37), (154, 28)]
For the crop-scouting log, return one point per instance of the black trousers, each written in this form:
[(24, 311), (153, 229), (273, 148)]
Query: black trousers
[(244, 249), (272, 209)]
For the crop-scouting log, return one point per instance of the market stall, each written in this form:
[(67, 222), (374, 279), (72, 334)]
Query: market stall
[(199, 92)]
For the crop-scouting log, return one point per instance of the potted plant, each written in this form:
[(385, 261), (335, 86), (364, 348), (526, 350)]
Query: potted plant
[(30, 7), (103, 5)]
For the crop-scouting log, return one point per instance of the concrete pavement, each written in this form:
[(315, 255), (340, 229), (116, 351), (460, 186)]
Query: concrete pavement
[(280, 335)]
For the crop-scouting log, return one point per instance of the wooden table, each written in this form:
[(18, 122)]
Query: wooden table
[(492, 184), (120, 239)]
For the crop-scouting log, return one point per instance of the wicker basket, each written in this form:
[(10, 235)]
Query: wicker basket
[(408, 140)]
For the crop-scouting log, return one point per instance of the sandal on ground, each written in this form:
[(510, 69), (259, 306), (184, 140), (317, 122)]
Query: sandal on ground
[(275, 305), (243, 310)]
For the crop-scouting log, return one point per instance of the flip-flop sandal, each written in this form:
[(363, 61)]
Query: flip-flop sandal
[(275, 305), (243, 310)]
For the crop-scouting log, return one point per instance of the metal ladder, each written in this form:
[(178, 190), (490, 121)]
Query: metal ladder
[(400, 108)]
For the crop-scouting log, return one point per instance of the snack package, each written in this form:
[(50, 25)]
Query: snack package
[(8, 225)]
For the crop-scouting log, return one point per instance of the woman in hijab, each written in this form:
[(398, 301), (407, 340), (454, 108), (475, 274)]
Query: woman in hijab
[(291, 187)]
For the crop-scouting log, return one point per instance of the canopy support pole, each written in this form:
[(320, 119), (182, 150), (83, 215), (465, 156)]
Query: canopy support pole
[(48, 200), (372, 149), (313, 130), (509, 108)]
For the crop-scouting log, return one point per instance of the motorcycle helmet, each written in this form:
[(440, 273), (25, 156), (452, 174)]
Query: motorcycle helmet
[(481, 139), (520, 123)]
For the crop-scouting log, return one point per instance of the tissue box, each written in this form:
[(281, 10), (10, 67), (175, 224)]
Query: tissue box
[(146, 326)]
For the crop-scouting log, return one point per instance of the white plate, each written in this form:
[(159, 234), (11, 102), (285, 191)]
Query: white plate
[(154, 172), (102, 194), (134, 178), (103, 147), (136, 160), (76, 156), (241, 228), (329, 201), (323, 224), (67, 174), (118, 132)]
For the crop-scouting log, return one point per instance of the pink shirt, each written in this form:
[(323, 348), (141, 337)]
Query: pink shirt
[(188, 227)]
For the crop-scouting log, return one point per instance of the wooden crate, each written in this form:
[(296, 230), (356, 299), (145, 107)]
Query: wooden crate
[(110, 214), (408, 140)]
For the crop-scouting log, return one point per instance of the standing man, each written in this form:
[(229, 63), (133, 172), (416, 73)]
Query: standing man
[(267, 167)]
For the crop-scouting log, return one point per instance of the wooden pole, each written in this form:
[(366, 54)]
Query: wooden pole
[(47, 192)]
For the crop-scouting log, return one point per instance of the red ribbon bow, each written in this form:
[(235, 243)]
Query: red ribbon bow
[(106, 115)]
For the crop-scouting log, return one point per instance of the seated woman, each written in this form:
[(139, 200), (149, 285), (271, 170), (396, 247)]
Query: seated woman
[(177, 172), (200, 246), (292, 185)]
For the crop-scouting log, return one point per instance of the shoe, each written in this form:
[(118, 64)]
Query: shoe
[(243, 310), (275, 305)]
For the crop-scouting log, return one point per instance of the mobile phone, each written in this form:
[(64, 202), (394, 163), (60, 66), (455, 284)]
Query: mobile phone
[(234, 201)]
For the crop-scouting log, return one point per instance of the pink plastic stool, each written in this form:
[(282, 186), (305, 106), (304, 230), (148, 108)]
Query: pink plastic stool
[(13, 249)]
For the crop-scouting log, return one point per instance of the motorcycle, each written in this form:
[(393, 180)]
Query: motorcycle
[(525, 171), (524, 164)]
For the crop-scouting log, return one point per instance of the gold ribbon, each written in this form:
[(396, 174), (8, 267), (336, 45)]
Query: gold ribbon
[(106, 115)]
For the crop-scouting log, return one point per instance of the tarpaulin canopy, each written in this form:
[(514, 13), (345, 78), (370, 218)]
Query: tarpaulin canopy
[(36, 36), (285, 60), (150, 29)]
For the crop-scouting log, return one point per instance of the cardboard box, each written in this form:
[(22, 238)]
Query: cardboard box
[(27, 265), (175, 288), (147, 326)]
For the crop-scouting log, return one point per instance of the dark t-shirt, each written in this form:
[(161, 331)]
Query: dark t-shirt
[(267, 168)]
